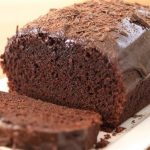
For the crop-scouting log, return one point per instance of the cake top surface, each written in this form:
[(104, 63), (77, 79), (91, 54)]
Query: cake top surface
[(27, 112), (100, 22)]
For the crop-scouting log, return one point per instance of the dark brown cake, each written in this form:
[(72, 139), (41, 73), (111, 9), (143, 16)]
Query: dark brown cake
[(91, 56), (35, 125)]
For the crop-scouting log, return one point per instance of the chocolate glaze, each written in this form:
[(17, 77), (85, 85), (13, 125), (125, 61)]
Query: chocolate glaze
[(135, 60)]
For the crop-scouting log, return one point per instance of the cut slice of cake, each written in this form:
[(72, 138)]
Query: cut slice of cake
[(33, 124), (91, 56)]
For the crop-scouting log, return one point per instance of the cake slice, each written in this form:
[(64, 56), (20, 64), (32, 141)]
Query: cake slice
[(26, 123), (93, 56)]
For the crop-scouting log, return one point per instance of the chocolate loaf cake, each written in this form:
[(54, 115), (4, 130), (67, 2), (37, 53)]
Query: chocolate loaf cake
[(32, 124), (92, 56)]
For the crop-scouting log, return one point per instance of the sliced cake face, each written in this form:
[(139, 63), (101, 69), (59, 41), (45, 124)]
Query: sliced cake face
[(25, 122), (64, 72)]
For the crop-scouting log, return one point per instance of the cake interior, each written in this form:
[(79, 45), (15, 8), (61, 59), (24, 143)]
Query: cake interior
[(65, 72)]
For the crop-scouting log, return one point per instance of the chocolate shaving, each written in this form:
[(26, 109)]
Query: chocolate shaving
[(17, 30), (138, 20), (102, 143), (118, 130), (124, 33), (137, 116), (107, 136)]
